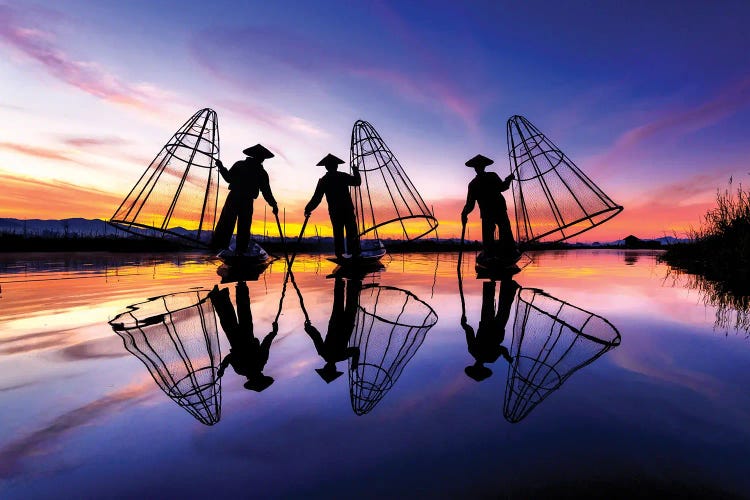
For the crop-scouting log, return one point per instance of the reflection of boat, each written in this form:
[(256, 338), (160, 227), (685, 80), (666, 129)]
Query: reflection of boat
[(371, 253), (357, 272), (551, 340), (390, 327), (176, 337), (254, 257), (496, 268), (244, 271)]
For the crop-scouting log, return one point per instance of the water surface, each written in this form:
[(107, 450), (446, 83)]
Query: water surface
[(610, 376)]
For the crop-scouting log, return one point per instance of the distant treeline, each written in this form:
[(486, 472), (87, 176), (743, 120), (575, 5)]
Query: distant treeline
[(54, 242), (74, 243)]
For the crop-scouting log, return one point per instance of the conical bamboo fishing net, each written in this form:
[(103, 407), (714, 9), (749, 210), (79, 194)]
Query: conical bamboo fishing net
[(176, 337), (387, 204), (554, 200), (551, 340), (391, 325), (176, 196)]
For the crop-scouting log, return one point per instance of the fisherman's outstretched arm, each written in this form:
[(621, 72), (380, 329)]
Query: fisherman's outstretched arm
[(470, 202), (504, 185), (224, 363), (355, 179), (315, 336), (265, 188), (268, 339), (469, 331), (316, 198), (223, 171)]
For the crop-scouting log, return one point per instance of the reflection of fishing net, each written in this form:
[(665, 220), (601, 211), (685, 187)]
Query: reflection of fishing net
[(387, 204), (177, 194), (554, 199), (391, 325), (551, 340), (176, 337)]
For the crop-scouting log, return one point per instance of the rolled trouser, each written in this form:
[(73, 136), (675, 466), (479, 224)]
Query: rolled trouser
[(225, 225), (339, 224), (244, 222)]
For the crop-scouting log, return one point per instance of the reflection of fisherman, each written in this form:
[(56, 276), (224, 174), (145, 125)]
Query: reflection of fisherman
[(335, 347), (247, 355), (486, 189), (335, 186), (247, 178), (486, 346)]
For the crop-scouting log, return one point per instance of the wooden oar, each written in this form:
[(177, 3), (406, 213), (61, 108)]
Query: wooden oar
[(299, 239), (281, 235), (458, 271)]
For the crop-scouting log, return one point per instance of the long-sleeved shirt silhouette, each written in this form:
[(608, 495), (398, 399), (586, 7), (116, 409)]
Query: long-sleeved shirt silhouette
[(250, 178), (335, 347), (247, 178), (486, 189), (335, 186), (248, 355), (486, 345)]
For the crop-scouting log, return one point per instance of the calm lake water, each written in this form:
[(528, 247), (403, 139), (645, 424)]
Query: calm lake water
[(594, 371)]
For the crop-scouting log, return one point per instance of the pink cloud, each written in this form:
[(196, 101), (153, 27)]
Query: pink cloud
[(89, 142), (43, 441), (44, 153), (679, 122), (426, 92), (40, 46), (276, 120), (424, 82)]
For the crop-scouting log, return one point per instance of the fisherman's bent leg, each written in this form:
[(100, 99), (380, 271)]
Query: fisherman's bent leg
[(225, 225), (338, 236), (352, 236), (244, 314), (244, 220), (488, 237), (506, 235)]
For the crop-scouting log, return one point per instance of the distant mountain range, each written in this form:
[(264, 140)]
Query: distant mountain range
[(72, 227), (98, 227)]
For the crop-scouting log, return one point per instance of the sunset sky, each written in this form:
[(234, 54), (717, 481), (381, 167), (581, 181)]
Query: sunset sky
[(650, 99)]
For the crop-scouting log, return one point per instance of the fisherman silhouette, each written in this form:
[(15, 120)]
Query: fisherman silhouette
[(486, 346), (486, 189), (247, 355), (247, 178), (335, 186), (335, 347)]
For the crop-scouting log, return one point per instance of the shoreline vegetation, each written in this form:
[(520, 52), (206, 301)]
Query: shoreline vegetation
[(716, 259)]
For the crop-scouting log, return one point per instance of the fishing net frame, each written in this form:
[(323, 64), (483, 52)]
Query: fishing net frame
[(573, 201), (195, 144), (202, 400), (406, 201), (366, 393), (568, 324)]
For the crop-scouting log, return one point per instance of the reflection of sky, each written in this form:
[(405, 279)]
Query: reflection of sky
[(650, 100), (668, 403)]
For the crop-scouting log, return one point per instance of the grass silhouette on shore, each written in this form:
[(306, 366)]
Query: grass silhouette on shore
[(717, 258)]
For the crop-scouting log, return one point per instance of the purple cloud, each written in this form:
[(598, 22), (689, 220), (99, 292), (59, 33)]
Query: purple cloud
[(679, 122), (47, 154), (39, 45), (13, 454), (93, 142), (423, 82)]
